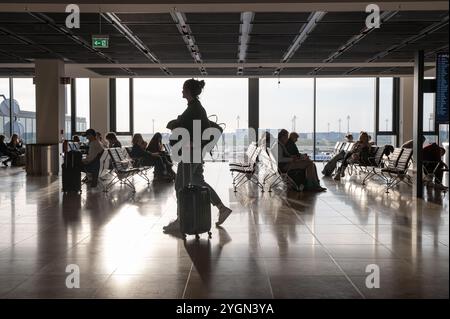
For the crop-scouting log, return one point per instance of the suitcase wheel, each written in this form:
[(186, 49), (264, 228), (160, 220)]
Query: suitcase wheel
[(197, 236), (209, 235)]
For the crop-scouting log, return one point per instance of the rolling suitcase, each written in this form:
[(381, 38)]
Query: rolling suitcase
[(71, 172), (194, 210)]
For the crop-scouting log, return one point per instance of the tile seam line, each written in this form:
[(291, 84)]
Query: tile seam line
[(368, 233), (187, 281), (326, 250)]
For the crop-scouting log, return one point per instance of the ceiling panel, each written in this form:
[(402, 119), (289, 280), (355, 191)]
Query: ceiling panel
[(217, 36)]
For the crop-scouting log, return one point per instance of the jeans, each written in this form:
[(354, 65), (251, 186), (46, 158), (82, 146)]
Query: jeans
[(193, 172), (92, 168), (331, 165)]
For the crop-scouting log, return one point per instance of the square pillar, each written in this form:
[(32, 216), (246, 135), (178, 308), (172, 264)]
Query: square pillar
[(253, 107), (100, 99), (50, 101), (418, 120), (406, 109)]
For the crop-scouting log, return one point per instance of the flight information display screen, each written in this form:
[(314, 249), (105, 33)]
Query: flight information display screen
[(442, 88)]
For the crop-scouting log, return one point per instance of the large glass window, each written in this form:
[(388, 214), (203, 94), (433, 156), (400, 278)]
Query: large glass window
[(123, 105), (4, 106), (82, 98), (24, 118), (443, 133), (344, 105), (228, 100), (288, 105), (428, 112), (158, 101), (155, 103), (68, 112)]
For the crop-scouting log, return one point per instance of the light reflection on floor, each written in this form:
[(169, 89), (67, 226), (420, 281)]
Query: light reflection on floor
[(279, 245)]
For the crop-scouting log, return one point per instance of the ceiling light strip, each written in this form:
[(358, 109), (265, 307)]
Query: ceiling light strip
[(185, 30), (313, 20), (244, 38)]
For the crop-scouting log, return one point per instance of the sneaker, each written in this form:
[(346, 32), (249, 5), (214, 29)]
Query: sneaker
[(224, 212), (173, 226), (440, 187)]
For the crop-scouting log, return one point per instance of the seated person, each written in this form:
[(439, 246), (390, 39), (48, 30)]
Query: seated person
[(139, 153), (292, 163), (156, 148), (101, 140), (432, 161), (82, 147), (16, 148), (112, 140), (330, 166), (91, 164), (291, 147), (5, 151), (359, 153), (16, 145)]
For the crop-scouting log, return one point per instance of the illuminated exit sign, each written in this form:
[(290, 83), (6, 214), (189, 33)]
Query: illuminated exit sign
[(100, 41)]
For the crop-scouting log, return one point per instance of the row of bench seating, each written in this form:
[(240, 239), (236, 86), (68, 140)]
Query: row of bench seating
[(117, 166), (248, 170), (392, 169)]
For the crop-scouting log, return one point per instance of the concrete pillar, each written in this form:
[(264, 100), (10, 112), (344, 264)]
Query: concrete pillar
[(50, 101), (419, 63), (406, 109), (100, 117), (253, 107)]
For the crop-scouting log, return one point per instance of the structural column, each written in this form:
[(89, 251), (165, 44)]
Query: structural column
[(253, 108), (50, 101), (418, 120), (406, 109), (100, 115)]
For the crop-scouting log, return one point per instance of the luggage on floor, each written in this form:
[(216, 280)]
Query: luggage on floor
[(71, 172), (72, 159), (194, 209)]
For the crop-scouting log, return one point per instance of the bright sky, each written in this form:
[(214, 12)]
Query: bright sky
[(160, 99)]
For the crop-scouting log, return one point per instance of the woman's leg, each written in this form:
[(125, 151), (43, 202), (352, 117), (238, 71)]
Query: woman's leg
[(312, 180), (193, 173), (331, 165), (307, 165), (167, 166), (341, 170), (199, 179), (224, 211), (157, 162)]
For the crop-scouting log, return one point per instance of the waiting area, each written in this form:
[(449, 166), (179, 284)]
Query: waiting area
[(224, 150)]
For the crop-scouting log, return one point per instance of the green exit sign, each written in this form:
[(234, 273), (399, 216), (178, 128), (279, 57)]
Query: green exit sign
[(100, 41)]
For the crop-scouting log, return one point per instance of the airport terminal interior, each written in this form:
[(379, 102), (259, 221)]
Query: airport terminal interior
[(363, 88)]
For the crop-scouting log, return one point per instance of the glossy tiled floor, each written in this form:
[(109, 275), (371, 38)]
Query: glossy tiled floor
[(272, 246)]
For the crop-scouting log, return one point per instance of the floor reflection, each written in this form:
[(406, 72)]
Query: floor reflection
[(274, 245)]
